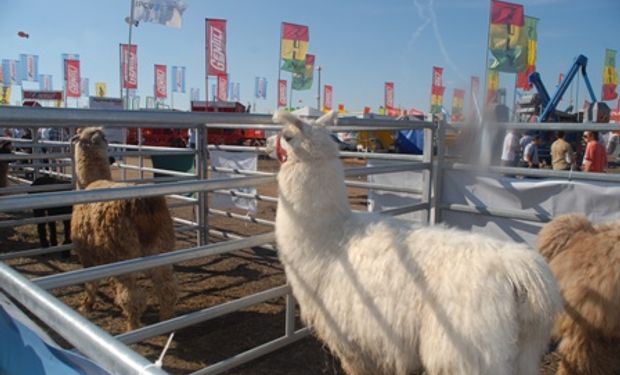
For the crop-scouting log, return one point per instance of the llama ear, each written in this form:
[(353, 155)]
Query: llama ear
[(283, 117), (327, 119)]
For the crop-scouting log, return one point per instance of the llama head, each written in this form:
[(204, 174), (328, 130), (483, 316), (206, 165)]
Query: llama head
[(556, 235), (304, 141), (91, 141)]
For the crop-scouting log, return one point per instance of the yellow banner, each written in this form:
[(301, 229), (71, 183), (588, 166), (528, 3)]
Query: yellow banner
[(507, 37), (294, 49), (532, 46), (436, 100), (493, 79), (101, 89), (5, 94)]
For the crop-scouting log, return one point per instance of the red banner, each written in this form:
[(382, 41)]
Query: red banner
[(222, 87), (161, 81), (282, 93), (327, 97), (504, 13), (72, 72), (389, 95), (437, 76), (129, 66), (216, 47)]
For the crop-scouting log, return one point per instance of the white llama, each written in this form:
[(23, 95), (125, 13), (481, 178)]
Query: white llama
[(389, 297)]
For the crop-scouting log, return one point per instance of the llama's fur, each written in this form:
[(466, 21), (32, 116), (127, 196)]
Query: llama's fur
[(585, 259), (5, 148), (111, 231), (390, 297)]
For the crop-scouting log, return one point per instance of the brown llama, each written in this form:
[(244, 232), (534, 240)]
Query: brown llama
[(112, 231), (585, 259)]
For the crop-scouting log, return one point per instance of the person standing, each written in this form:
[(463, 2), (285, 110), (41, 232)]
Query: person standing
[(530, 154), (510, 149), (595, 157), (562, 157), (613, 149)]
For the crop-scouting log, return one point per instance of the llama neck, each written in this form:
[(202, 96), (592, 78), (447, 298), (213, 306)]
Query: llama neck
[(92, 168), (314, 191)]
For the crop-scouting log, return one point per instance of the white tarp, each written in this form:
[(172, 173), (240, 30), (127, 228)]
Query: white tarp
[(379, 200), (234, 160), (599, 201)]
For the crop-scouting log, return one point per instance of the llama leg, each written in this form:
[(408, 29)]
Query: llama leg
[(130, 297), (165, 289), (66, 226), (532, 345), (88, 304), (41, 230), (53, 235)]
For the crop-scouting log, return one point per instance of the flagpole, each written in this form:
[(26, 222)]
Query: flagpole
[(318, 90), (131, 21), (279, 70), (514, 99), (206, 65), (486, 64), (290, 103)]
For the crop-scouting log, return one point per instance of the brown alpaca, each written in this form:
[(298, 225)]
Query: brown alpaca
[(5, 148), (585, 259), (112, 231)]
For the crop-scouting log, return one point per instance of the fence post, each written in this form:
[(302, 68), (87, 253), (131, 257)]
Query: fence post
[(427, 174), (439, 171), (202, 162)]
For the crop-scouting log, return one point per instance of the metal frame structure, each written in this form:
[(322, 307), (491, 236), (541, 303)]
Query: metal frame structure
[(94, 342)]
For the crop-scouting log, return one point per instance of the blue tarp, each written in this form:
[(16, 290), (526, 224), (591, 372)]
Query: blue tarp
[(410, 141), (25, 349)]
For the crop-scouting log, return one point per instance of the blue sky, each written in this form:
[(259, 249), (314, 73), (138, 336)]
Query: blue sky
[(360, 44)]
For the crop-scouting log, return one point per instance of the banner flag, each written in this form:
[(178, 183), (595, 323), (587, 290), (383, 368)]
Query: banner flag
[(303, 80), (129, 66), (531, 25), (45, 82), (84, 87), (458, 102), (72, 84), (164, 12), (64, 57), (28, 67), (260, 88), (194, 94), (282, 93), (222, 88), (492, 86), (101, 89), (610, 76), (5, 94), (161, 81), (178, 79), (9, 72), (327, 98), (235, 91), (437, 90), (294, 46), (388, 95), (216, 46), (507, 37)]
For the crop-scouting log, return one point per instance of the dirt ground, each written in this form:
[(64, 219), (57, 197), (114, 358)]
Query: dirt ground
[(203, 283)]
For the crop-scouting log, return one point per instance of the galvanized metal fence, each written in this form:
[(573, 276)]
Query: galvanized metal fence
[(91, 340)]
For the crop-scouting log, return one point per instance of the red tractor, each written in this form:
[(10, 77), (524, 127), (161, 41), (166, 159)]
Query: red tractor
[(247, 137)]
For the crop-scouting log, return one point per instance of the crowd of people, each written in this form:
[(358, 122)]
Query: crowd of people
[(600, 152)]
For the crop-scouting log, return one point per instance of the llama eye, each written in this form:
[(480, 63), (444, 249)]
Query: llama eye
[(288, 137)]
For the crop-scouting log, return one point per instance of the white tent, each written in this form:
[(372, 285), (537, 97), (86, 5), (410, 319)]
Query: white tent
[(307, 111)]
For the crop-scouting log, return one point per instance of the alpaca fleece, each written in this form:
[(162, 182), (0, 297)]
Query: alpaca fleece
[(390, 297), (112, 231), (585, 259)]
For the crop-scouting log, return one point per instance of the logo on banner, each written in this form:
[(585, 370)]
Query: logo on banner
[(73, 78), (129, 65), (216, 42), (282, 93), (327, 102), (160, 81)]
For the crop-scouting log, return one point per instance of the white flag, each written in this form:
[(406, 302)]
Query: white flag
[(166, 12)]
